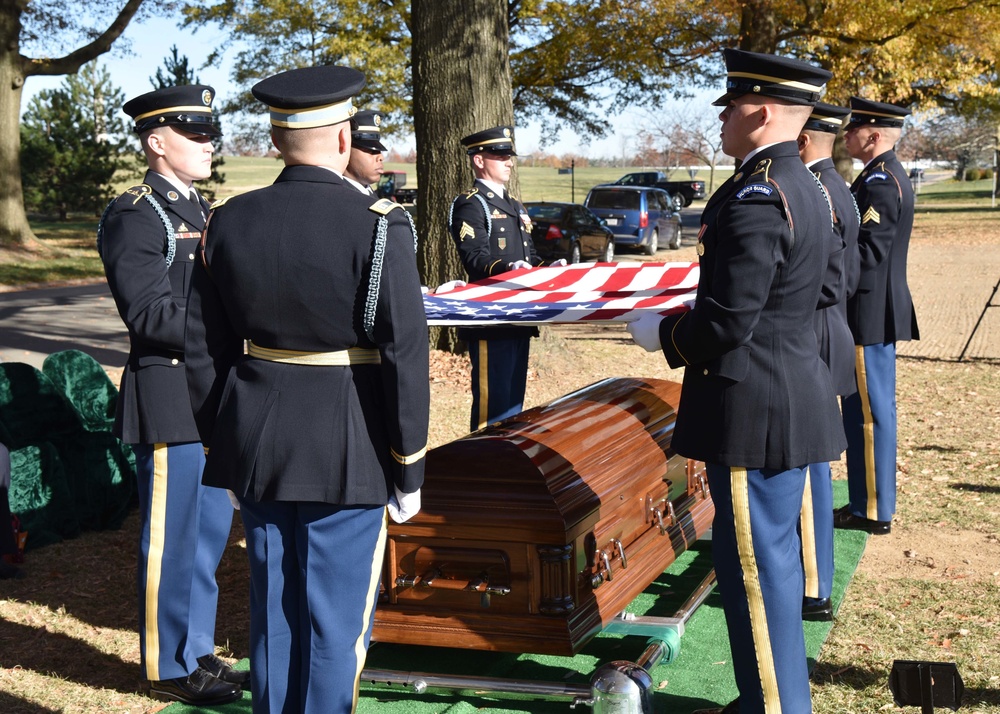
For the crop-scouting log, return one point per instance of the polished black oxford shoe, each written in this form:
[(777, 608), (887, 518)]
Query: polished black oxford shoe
[(843, 518), (221, 669), (200, 688), (817, 608)]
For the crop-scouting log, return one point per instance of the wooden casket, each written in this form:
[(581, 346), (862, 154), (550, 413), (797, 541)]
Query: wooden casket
[(537, 531)]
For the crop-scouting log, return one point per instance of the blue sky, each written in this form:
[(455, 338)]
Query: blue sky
[(151, 42)]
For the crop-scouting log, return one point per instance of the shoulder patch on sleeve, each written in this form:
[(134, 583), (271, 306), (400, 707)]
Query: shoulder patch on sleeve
[(383, 206), (136, 192), (877, 176), (221, 202), (753, 188)]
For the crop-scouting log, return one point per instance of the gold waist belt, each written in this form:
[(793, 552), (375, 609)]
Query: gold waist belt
[(340, 358)]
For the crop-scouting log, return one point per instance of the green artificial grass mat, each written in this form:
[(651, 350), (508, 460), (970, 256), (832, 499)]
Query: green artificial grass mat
[(699, 675)]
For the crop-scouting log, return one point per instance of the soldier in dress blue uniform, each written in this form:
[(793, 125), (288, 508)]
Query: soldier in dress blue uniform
[(323, 422), (757, 403), (836, 347), (492, 231), (147, 240), (880, 314), (365, 165)]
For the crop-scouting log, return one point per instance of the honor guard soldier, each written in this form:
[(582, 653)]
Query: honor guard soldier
[(880, 314), (492, 231), (365, 165), (836, 347), (757, 403), (323, 422), (147, 239)]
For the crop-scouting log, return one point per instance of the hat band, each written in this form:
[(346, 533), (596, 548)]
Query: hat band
[(173, 110), (367, 129), (788, 83), (313, 116), (822, 123), (490, 142)]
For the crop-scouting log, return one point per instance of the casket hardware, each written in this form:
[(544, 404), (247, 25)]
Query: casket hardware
[(621, 553), (703, 482), (434, 579)]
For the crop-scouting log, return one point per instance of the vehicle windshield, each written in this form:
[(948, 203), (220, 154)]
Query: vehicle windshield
[(545, 213), (610, 198)]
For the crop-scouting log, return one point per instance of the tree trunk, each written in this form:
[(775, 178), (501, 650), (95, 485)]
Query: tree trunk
[(461, 84), (14, 228), (758, 27)]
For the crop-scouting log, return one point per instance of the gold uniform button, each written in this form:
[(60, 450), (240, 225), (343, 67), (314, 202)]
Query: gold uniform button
[(705, 372), (174, 361)]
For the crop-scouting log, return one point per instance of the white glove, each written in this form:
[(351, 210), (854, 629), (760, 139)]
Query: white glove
[(424, 290), (520, 264), (233, 500), (558, 263), (403, 506), (451, 285), (646, 331), (689, 304)]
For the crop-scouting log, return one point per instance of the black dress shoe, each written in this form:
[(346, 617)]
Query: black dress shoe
[(843, 518), (200, 688), (732, 708), (221, 669), (817, 608)]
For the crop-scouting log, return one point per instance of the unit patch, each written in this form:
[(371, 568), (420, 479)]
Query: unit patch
[(877, 176), (760, 188), (502, 243), (466, 231), (871, 216)]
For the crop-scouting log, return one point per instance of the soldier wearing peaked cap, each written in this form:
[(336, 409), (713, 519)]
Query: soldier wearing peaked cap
[(757, 403), (365, 165), (836, 346), (880, 314), (323, 423), (147, 240), (492, 232)]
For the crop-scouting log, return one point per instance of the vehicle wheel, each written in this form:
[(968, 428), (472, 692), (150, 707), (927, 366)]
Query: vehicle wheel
[(609, 252), (654, 243), (687, 201), (678, 201), (675, 242), (574, 253)]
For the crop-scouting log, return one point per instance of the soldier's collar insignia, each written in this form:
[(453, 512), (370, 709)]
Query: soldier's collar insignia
[(871, 216), (738, 176), (489, 194), (173, 195)]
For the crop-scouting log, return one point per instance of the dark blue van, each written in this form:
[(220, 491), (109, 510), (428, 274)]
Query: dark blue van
[(640, 216)]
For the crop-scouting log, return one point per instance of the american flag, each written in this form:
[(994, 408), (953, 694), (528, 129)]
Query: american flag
[(582, 292)]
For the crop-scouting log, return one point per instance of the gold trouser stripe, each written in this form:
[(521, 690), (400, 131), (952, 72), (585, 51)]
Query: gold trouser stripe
[(154, 560), (869, 433), (751, 583), (410, 459), (376, 574), (340, 358), (808, 527), (484, 385)]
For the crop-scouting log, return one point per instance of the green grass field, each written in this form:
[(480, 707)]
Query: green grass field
[(70, 245)]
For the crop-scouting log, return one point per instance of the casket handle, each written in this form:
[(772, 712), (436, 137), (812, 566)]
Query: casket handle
[(433, 579), (621, 553)]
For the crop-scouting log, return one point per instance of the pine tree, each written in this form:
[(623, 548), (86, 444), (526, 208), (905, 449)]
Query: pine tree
[(72, 143)]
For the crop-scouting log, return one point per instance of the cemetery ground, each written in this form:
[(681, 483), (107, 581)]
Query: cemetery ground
[(930, 590)]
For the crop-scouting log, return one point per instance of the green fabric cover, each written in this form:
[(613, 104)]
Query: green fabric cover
[(74, 477), (86, 386)]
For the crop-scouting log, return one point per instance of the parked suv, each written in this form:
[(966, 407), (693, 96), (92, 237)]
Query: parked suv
[(639, 216)]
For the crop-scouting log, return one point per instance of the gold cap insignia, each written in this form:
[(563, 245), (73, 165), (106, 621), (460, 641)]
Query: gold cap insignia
[(206, 97), (377, 119)]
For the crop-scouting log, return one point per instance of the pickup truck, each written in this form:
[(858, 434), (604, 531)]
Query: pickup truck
[(682, 193), (390, 185)]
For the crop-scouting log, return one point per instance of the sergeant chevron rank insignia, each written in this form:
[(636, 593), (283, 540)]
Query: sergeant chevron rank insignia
[(871, 216), (466, 231)]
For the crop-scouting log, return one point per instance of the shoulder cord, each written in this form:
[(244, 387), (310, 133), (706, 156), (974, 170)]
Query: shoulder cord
[(486, 213), (375, 279), (171, 237)]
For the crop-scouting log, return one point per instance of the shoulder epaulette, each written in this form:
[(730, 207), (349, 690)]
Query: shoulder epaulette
[(471, 192), (137, 192), (383, 206), (219, 203)]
